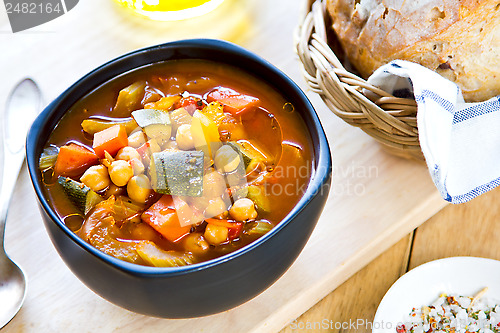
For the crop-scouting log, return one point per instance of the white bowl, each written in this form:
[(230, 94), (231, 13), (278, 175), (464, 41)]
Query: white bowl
[(422, 285)]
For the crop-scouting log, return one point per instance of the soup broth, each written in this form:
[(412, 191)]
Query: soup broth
[(177, 162)]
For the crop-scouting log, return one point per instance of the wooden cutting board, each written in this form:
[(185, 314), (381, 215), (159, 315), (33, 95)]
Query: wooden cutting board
[(375, 198)]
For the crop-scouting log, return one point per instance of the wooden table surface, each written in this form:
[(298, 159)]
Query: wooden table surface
[(376, 199), (469, 229)]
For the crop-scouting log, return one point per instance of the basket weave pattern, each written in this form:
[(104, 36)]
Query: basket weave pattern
[(390, 120)]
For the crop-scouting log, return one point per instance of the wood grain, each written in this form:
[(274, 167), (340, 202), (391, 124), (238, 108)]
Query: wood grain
[(375, 199), (469, 229), (354, 303)]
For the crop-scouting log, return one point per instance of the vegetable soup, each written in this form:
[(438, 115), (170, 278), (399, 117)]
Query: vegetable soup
[(177, 163)]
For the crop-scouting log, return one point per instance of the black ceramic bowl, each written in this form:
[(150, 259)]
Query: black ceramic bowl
[(199, 289)]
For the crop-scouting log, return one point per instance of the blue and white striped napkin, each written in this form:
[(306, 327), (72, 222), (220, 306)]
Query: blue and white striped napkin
[(460, 141)]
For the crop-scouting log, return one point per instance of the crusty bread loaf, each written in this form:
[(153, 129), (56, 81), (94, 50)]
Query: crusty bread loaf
[(458, 39)]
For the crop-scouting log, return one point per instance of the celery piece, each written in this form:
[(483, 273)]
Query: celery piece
[(94, 125), (48, 158), (125, 209), (104, 238), (155, 123), (146, 117), (259, 228), (129, 99), (155, 256)]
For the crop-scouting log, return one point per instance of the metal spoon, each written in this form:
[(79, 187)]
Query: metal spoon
[(23, 105)]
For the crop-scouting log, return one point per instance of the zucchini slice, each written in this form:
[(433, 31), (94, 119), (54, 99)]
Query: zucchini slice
[(79, 194), (258, 195), (251, 154), (155, 123), (177, 173), (239, 148), (129, 98)]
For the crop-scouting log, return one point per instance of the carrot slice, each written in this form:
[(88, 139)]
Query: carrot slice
[(73, 159), (220, 223), (164, 103), (233, 101), (111, 140), (163, 218)]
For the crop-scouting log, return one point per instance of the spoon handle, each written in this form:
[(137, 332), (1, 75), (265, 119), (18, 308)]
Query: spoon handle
[(23, 105)]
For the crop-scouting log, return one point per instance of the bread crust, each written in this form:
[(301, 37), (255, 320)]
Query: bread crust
[(458, 39)]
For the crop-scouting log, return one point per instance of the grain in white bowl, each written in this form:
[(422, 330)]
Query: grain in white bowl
[(454, 314)]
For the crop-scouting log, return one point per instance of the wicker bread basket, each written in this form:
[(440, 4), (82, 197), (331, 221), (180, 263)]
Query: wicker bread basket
[(392, 121)]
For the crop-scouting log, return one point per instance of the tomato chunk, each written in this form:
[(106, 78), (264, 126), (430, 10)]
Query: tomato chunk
[(235, 231), (163, 218), (235, 228), (233, 101), (190, 104), (73, 159)]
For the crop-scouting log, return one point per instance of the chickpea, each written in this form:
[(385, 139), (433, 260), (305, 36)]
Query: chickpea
[(136, 139), (96, 177), (215, 234), (195, 243), (184, 137), (214, 184), (120, 172), (215, 208), (171, 145), (139, 188), (226, 159), (127, 153), (243, 209)]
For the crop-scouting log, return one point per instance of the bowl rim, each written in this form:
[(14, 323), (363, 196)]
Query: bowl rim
[(321, 170)]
